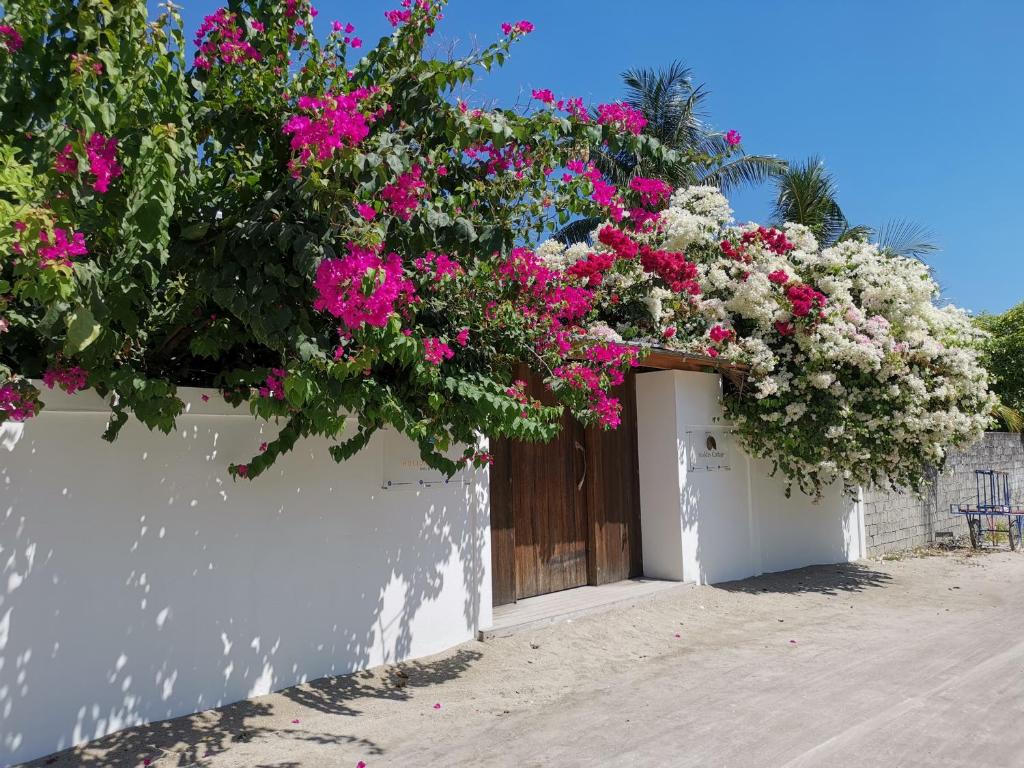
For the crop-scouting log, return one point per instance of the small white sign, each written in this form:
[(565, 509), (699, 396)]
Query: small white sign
[(709, 450), (404, 467)]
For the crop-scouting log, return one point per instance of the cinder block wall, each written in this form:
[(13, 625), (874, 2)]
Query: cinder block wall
[(897, 521)]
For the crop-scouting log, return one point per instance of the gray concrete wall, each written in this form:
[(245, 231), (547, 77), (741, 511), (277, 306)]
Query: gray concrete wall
[(897, 521)]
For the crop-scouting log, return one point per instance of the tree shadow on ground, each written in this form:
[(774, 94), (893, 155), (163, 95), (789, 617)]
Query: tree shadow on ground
[(183, 741), (820, 579), (341, 695)]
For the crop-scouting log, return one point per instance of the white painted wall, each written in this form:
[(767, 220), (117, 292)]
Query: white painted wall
[(714, 526), (139, 582)]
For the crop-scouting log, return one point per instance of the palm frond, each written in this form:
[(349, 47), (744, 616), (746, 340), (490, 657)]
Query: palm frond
[(806, 194), (901, 237), (856, 232), (578, 231), (744, 169), (1009, 417)]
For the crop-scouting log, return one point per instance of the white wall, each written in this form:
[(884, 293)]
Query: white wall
[(714, 526), (139, 582)]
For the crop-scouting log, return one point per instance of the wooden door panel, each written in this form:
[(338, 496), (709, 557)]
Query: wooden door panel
[(549, 516), (566, 513), (613, 496), (503, 547)]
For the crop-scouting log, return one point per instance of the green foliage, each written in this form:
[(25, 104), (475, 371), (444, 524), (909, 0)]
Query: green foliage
[(203, 252), (1004, 357)]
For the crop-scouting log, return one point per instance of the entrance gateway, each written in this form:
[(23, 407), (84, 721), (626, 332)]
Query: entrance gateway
[(566, 514)]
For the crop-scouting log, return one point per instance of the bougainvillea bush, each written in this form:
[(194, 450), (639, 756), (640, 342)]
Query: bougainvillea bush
[(315, 226), (853, 372)]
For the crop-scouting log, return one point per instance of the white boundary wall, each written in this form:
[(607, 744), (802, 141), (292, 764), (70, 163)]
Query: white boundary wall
[(139, 582), (713, 526)]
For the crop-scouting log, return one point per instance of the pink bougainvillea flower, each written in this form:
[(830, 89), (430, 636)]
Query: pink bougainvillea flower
[(669, 332), (263, 447), (462, 338), (102, 154), (273, 386), (328, 124), (205, 398), (719, 334), (221, 38), (733, 138), (61, 250), (342, 289), (66, 162), (397, 17), (360, 764), (10, 38), (651, 191), (367, 211), (70, 379), (19, 226), (544, 94), (519, 28), (435, 352), (243, 470), (779, 277), (403, 196), (621, 115), (15, 406), (336, 26), (442, 170), (357, 42), (146, 761)]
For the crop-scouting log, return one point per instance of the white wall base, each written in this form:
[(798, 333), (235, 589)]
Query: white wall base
[(139, 582), (709, 526)]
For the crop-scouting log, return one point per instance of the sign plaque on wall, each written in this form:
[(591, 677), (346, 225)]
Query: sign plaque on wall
[(709, 450), (404, 468)]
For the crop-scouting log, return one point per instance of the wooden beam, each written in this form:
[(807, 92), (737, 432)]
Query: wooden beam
[(670, 360)]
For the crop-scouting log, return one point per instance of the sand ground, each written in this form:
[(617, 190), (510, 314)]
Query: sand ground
[(915, 662)]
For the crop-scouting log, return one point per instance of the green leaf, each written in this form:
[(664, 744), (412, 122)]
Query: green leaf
[(82, 330)]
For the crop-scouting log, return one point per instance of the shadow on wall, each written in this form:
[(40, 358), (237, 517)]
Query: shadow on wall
[(138, 582)]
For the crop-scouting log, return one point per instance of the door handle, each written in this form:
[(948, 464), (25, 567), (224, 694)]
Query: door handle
[(581, 449)]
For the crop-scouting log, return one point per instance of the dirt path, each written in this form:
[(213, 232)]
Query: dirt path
[(917, 662)]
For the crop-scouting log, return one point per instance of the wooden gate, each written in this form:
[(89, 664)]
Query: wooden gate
[(566, 513)]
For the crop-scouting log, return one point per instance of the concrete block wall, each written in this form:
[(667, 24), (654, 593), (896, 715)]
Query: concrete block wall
[(896, 521)]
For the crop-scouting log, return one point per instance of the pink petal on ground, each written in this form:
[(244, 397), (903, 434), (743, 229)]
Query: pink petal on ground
[(295, 722), (360, 764), (793, 642), (678, 635), (437, 706)]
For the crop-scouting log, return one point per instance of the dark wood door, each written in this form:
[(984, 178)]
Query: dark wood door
[(565, 513), (613, 496)]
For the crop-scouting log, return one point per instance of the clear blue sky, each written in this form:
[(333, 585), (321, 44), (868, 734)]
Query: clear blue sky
[(915, 105)]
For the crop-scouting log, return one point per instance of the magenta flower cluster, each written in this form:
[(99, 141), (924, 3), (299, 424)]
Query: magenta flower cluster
[(70, 379), (622, 116), (221, 38), (10, 39), (403, 196), (435, 351), (273, 385), (103, 165), (652, 191), (362, 288), (61, 250), (15, 406), (518, 28), (336, 122)]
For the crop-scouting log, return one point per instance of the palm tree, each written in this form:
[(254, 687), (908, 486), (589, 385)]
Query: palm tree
[(675, 110), (806, 193)]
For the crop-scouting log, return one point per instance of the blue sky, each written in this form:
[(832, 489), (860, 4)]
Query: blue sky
[(915, 105)]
